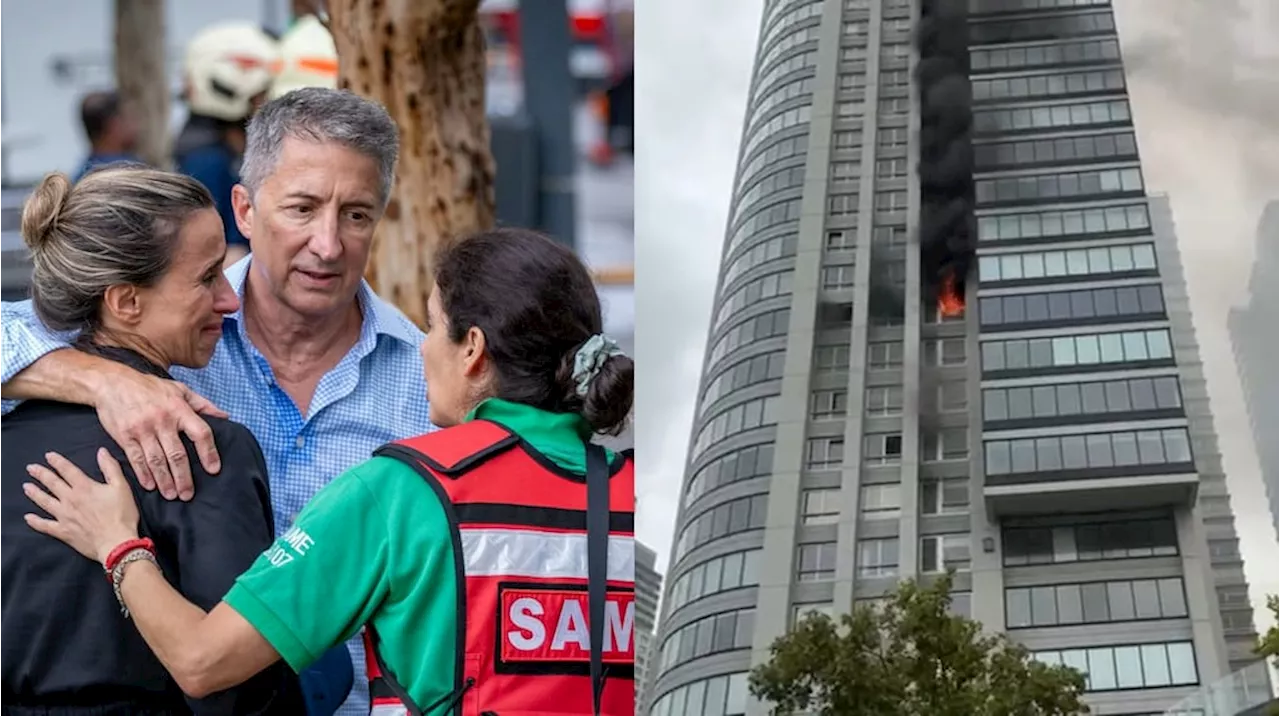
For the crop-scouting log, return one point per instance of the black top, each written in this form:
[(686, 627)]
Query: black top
[(65, 641)]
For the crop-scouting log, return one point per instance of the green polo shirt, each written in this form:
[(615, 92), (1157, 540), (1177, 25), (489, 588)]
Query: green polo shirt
[(374, 547)]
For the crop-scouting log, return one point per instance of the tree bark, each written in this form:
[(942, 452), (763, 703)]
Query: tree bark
[(425, 61), (141, 74)]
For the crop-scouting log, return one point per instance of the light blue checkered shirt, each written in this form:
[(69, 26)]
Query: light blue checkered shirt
[(376, 394)]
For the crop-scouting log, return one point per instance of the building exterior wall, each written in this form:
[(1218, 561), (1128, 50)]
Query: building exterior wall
[(648, 592), (1253, 340), (838, 447)]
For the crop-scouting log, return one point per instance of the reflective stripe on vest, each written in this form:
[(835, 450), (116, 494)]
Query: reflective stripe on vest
[(519, 527)]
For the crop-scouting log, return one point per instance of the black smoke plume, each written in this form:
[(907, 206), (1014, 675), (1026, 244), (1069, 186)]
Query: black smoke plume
[(947, 227)]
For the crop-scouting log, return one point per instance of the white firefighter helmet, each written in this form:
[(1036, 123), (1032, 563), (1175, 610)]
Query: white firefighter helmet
[(226, 66), (308, 58)]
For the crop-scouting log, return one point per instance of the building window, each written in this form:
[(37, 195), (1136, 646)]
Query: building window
[(1144, 666), (884, 355), (878, 557), (719, 574), (768, 286), (890, 106), (944, 445), (827, 404), (855, 29), (895, 51), (1088, 542), (944, 496), (710, 635), (1003, 59), (847, 139), (821, 506), (882, 501), (816, 562), (831, 358), (739, 515), (931, 317), (742, 464), (1045, 86), (1095, 603), (1060, 116), (724, 695), (1056, 224), (882, 449), (1046, 187), (891, 169), (837, 277), (889, 235), (1064, 150), (1072, 262), (1113, 304), (749, 371), (800, 612), (898, 25), (1065, 402), (842, 204), (891, 137), (945, 352), (939, 553), (951, 397), (884, 400), (844, 171), (891, 200), (895, 79), (757, 413), (853, 81), (1086, 350), (1124, 451), (840, 240), (825, 453), (850, 109)]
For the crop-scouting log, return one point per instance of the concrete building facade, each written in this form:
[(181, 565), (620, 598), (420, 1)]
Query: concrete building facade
[(648, 592), (1253, 340), (1052, 444)]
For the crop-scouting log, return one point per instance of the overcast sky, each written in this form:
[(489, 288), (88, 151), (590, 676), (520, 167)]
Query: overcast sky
[(1203, 84)]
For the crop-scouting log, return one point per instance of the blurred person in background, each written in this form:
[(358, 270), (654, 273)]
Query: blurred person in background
[(491, 563), (110, 128), (131, 257), (308, 57), (227, 73)]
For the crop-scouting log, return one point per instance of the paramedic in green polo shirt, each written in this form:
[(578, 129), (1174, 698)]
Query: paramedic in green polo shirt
[(514, 340)]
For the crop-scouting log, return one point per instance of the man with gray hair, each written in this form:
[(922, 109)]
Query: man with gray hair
[(319, 368)]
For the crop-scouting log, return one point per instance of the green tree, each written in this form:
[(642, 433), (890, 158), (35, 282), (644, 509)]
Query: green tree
[(910, 656), (1266, 647)]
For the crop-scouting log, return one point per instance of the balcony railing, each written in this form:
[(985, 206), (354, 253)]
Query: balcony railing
[(1242, 693)]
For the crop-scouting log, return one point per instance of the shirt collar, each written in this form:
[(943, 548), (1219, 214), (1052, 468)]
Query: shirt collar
[(379, 317)]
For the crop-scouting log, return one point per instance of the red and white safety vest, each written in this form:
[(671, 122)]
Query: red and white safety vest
[(546, 620)]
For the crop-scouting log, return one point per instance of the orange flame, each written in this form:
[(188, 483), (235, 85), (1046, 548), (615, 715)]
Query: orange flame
[(950, 300)]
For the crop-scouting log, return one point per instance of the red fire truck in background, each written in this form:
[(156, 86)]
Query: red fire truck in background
[(600, 61)]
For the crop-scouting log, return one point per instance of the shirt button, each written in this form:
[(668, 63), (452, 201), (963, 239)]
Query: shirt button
[(299, 441)]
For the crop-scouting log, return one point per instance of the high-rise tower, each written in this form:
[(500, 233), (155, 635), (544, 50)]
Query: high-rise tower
[(947, 335)]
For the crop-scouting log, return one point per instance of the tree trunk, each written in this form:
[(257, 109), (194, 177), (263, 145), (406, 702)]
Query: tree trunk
[(424, 60), (141, 74)]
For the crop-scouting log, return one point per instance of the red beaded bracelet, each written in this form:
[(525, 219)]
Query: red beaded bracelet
[(125, 548)]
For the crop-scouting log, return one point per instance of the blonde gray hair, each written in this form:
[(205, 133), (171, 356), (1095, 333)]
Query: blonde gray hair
[(117, 225)]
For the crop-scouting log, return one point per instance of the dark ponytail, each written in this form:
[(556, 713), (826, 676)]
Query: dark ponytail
[(536, 303)]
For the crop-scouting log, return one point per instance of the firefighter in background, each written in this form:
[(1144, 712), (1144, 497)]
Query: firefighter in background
[(226, 74), (492, 563), (308, 58)]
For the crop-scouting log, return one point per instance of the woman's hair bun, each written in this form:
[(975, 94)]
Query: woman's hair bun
[(610, 396), (43, 209)]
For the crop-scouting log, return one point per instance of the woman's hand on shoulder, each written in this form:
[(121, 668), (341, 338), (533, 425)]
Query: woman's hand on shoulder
[(91, 517)]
